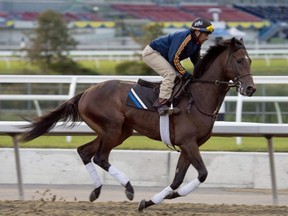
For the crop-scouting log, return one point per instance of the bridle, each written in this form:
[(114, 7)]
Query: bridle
[(236, 82)]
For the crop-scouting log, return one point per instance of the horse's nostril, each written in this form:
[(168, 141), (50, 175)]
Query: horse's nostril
[(250, 90)]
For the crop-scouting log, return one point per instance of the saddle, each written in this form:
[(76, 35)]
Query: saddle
[(144, 93)]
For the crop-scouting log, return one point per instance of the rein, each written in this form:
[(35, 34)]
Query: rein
[(191, 99), (216, 82)]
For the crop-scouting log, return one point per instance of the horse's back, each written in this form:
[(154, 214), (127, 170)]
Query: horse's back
[(105, 98)]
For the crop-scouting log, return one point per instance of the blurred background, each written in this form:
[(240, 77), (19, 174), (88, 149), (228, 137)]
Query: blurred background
[(110, 24), (97, 37), (106, 37)]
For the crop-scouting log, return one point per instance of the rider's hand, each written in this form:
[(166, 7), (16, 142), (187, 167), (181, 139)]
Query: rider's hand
[(187, 75)]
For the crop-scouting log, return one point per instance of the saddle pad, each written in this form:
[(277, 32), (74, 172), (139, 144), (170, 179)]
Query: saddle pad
[(142, 97)]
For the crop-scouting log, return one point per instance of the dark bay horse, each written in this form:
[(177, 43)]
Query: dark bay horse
[(103, 108)]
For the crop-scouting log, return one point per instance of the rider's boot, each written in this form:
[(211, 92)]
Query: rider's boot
[(162, 106)]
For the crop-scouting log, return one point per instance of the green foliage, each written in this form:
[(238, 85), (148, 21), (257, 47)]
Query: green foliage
[(148, 33), (133, 68), (152, 32)]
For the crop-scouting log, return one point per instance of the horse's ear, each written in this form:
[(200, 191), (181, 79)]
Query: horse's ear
[(233, 41), (242, 41)]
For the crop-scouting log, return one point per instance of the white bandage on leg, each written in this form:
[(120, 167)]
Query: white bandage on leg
[(93, 174), (158, 198), (118, 175), (183, 191)]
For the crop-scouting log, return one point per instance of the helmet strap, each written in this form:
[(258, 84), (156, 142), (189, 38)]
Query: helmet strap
[(198, 36)]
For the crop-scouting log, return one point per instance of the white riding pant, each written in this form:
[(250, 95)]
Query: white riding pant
[(160, 65)]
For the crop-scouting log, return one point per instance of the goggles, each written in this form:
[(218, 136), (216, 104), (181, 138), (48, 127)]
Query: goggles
[(208, 29)]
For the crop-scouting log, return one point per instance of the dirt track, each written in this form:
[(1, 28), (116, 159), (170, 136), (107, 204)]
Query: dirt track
[(71, 200), (63, 208)]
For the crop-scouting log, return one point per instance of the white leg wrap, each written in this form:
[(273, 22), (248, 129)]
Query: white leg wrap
[(118, 175), (158, 198), (183, 191), (93, 174)]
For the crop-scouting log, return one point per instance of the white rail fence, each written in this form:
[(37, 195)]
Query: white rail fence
[(73, 81), (96, 55)]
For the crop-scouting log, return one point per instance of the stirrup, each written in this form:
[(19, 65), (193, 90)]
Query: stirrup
[(163, 110), (173, 110)]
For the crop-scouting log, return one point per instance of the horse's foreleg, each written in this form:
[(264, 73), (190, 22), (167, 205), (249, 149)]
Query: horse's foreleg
[(169, 192), (193, 155), (189, 155), (181, 170)]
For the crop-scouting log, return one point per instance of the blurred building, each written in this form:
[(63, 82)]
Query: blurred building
[(107, 24)]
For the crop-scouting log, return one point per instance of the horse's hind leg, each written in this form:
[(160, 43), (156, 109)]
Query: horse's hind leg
[(86, 153), (101, 158)]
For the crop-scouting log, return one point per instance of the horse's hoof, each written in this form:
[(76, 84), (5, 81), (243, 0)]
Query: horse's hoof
[(141, 205), (129, 195), (95, 194), (129, 191)]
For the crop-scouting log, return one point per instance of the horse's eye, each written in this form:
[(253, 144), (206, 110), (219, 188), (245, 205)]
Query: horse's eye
[(240, 60)]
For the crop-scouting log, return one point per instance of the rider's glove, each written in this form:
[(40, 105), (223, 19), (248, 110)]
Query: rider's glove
[(187, 75)]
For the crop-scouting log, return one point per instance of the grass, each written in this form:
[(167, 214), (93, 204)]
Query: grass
[(249, 144), (104, 66), (275, 67)]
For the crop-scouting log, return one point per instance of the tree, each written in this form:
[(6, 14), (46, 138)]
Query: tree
[(144, 36), (50, 42), (149, 33)]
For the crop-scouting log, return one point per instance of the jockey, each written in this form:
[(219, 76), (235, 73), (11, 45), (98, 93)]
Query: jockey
[(165, 53)]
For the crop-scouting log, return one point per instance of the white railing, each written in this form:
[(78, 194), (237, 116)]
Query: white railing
[(268, 131), (134, 54), (74, 80)]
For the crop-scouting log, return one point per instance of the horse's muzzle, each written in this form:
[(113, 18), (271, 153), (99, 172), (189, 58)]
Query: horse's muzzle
[(248, 91)]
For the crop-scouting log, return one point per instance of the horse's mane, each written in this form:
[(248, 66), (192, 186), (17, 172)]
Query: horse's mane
[(213, 51)]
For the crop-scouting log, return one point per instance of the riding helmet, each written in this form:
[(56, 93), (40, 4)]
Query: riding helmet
[(203, 25)]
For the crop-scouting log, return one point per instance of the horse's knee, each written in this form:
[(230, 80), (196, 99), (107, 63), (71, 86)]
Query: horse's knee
[(203, 175), (86, 158)]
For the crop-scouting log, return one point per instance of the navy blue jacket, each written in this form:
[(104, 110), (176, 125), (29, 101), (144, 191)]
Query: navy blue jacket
[(175, 47)]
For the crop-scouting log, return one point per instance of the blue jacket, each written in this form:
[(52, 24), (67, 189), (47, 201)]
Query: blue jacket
[(175, 47)]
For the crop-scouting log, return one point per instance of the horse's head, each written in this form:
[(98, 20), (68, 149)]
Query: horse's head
[(238, 68)]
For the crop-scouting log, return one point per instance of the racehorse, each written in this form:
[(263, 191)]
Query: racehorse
[(102, 107)]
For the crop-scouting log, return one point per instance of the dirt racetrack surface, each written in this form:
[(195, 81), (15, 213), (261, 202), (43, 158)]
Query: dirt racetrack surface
[(65, 200), (63, 208)]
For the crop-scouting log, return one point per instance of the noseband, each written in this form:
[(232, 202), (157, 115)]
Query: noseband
[(236, 82)]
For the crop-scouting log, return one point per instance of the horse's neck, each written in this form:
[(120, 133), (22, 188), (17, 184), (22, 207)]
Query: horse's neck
[(209, 96)]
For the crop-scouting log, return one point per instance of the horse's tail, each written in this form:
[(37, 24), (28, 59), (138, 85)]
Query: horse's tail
[(68, 111)]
